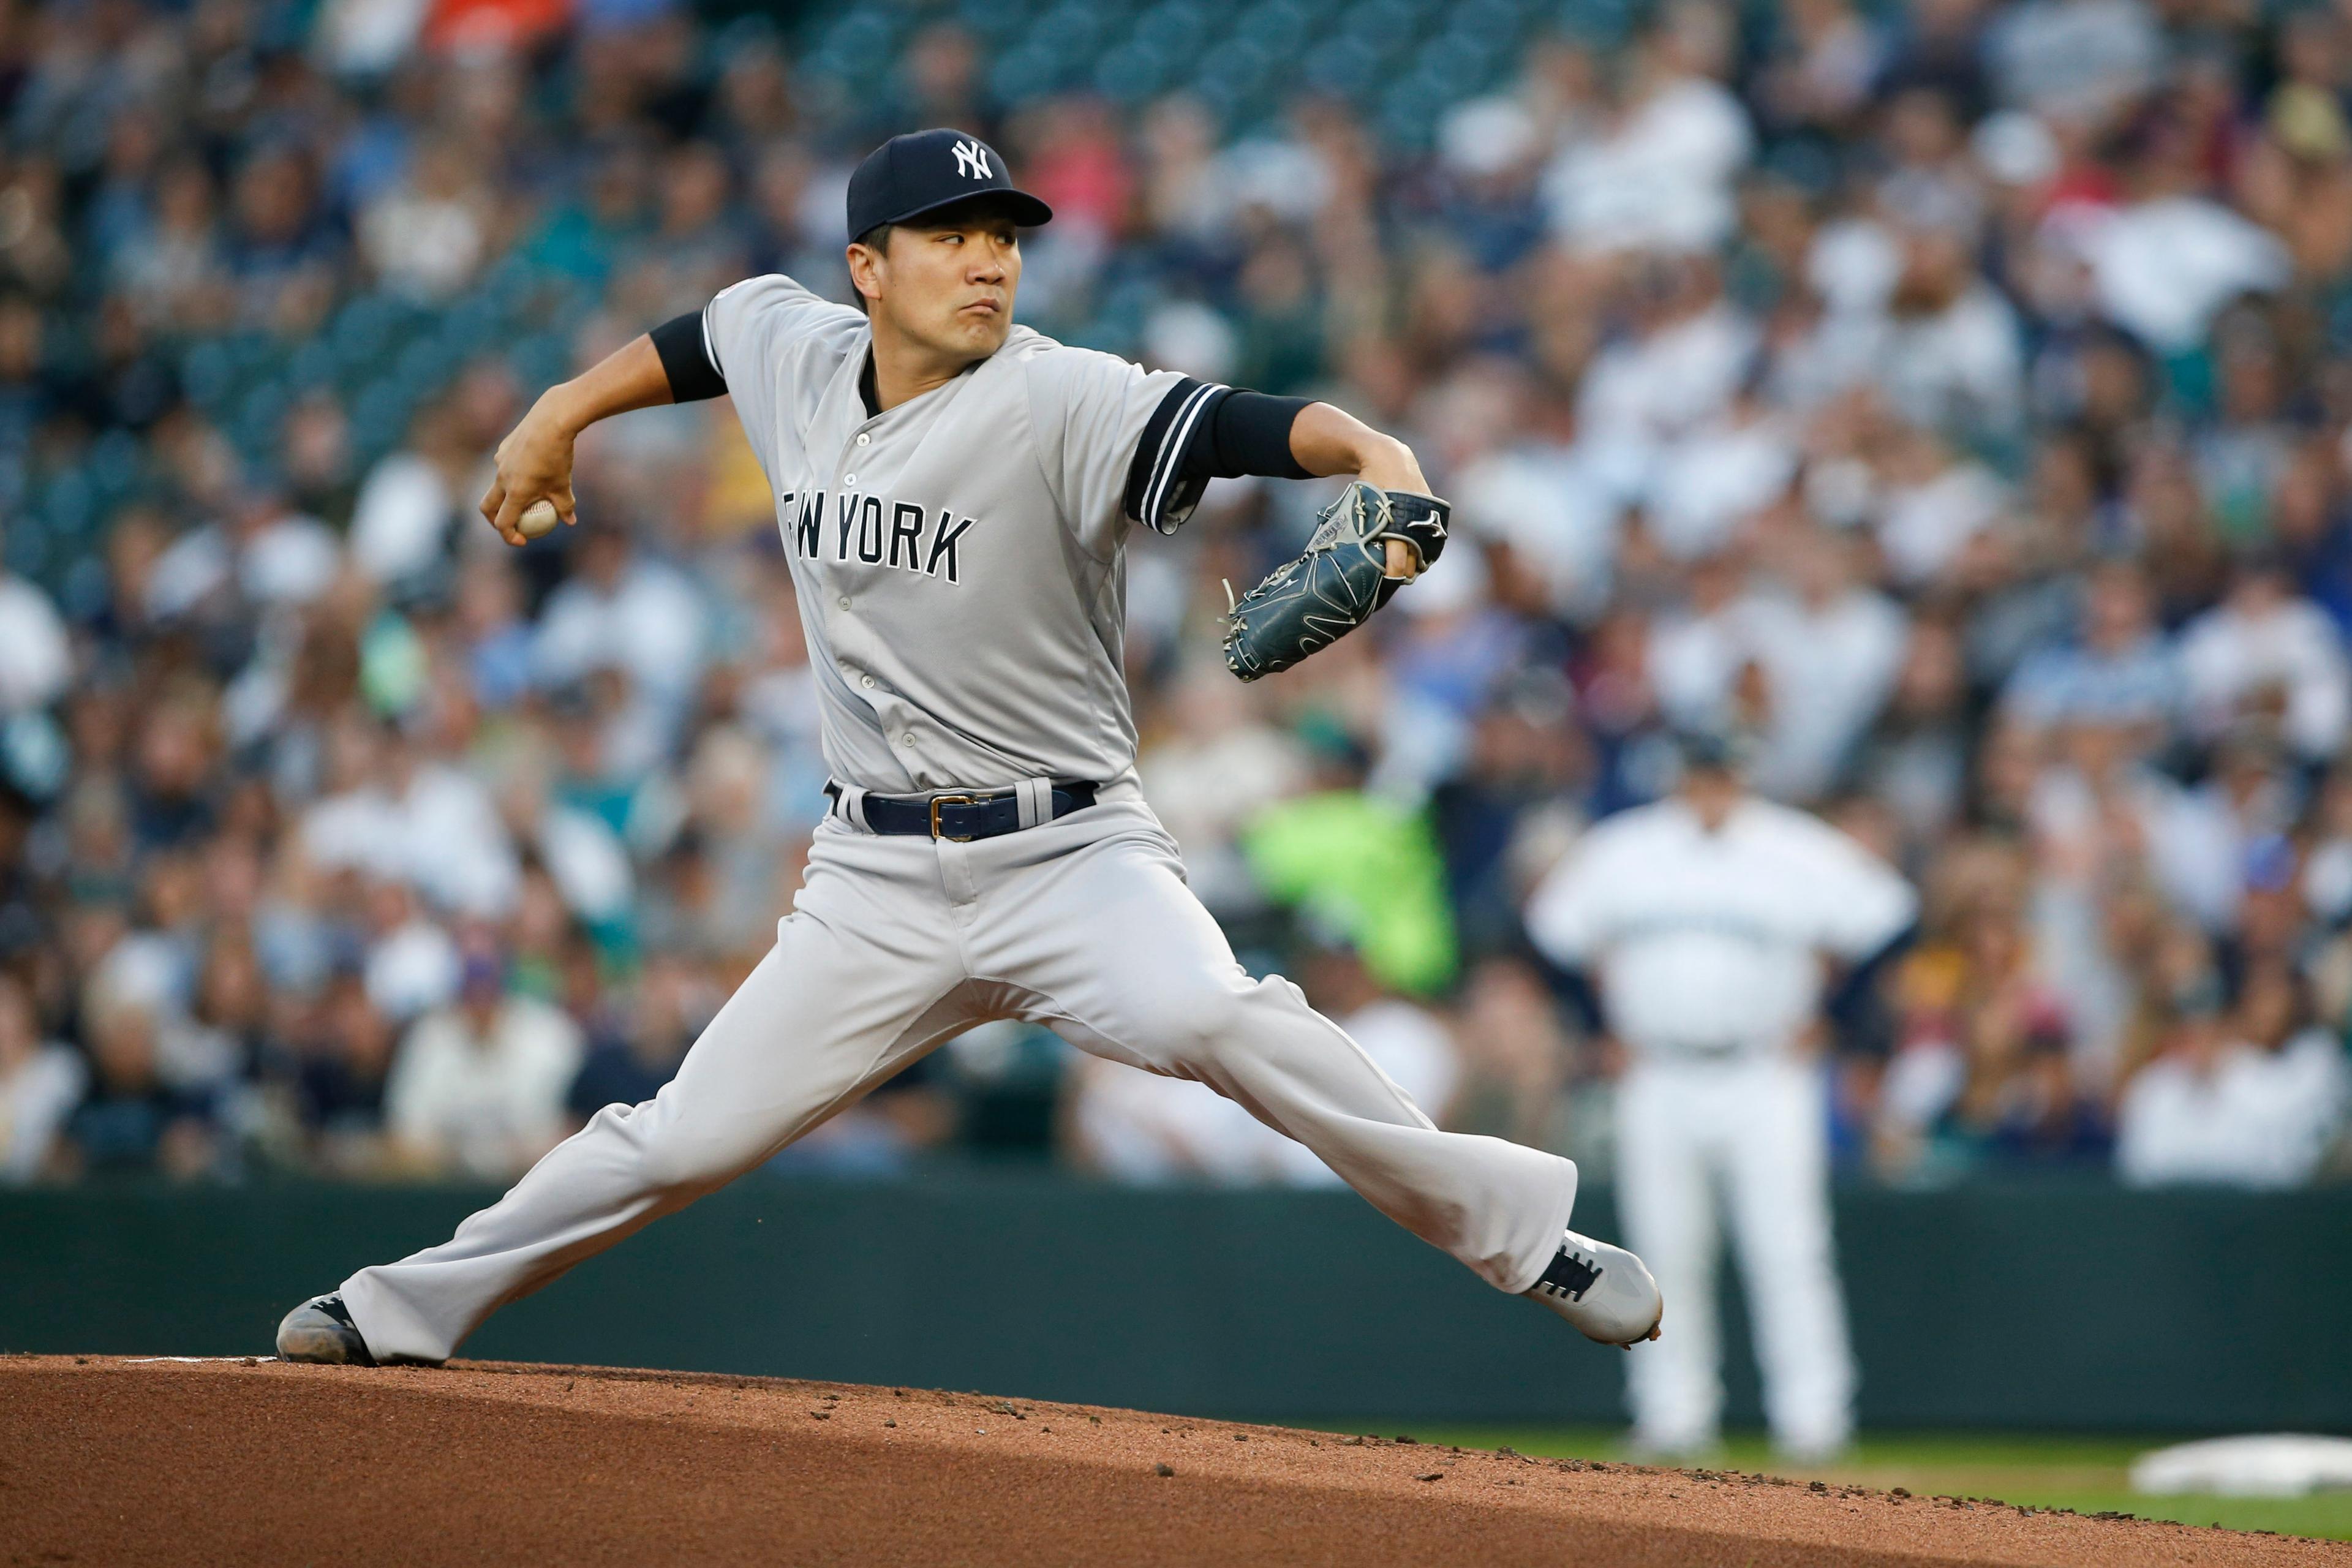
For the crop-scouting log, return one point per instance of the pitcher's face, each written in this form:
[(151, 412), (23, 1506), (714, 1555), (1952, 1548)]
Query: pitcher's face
[(946, 283)]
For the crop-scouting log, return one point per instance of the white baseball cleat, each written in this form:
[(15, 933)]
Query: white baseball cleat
[(1604, 1290)]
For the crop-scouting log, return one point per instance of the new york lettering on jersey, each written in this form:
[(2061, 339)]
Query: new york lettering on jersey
[(875, 531)]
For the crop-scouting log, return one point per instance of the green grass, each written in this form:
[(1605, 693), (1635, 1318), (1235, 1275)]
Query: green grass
[(2086, 1474)]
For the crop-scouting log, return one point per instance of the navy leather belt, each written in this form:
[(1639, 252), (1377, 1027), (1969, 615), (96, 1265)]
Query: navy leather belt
[(961, 817)]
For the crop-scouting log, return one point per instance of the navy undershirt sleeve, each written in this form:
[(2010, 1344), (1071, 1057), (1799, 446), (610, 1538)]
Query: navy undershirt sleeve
[(1251, 435), (686, 359)]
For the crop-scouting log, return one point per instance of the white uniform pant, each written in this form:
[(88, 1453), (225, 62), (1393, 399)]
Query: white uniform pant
[(1748, 1137), (895, 944)]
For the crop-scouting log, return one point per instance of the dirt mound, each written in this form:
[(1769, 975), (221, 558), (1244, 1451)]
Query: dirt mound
[(115, 1460)]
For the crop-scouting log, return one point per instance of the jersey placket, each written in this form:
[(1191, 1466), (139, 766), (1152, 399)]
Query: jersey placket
[(869, 457)]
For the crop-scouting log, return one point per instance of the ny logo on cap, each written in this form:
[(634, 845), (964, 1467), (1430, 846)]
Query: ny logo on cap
[(971, 159)]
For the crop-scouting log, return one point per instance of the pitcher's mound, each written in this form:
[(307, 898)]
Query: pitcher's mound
[(117, 1460)]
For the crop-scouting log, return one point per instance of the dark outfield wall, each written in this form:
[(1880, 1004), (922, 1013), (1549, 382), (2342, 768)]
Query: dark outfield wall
[(2050, 1306)]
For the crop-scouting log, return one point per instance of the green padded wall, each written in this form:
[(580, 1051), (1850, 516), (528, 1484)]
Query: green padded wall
[(2060, 1307)]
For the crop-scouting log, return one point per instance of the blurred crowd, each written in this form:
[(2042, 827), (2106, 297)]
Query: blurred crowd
[(1954, 399)]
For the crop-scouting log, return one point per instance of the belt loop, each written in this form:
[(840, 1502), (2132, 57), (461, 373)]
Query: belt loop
[(1036, 800), (853, 807)]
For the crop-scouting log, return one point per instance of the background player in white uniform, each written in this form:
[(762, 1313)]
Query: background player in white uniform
[(1705, 920), (955, 494)]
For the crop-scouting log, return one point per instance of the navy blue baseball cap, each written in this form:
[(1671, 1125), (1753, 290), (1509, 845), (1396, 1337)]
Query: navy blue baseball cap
[(924, 171)]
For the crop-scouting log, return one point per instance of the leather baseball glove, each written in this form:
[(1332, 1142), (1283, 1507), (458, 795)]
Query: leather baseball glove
[(1306, 605)]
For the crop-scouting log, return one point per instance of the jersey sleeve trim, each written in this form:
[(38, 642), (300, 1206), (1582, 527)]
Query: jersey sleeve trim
[(1205, 431), (710, 338), (1166, 480)]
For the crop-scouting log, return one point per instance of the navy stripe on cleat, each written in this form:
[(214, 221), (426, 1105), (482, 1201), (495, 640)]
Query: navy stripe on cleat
[(1604, 1290)]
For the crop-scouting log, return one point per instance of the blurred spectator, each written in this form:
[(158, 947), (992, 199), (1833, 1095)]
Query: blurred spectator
[(479, 1088), (1661, 176), (1365, 867), (2265, 656), (34, 661), (2250, 1097), (342, 1061), (625, 609), (629, 1065), (40, 1082), (2083, 57), (1519, 1067), (1216, 769), (132, 1120), (427, 234), (2119, 671), (1983, 1072)]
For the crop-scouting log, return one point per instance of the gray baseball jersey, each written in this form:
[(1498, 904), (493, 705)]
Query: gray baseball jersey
[(957, 557)]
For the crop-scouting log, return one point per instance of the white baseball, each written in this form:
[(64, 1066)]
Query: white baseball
[(538, 517)]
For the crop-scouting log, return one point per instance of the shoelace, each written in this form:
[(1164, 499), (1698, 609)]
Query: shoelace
[(1569, 1275)]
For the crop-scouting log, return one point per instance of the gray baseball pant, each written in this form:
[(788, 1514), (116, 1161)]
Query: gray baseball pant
[(894, 945)]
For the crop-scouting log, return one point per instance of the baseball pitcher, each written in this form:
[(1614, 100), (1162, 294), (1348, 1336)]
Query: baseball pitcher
[(954, 493)]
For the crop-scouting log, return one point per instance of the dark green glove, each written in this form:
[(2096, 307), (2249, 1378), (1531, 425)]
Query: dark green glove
[(1309, 604)]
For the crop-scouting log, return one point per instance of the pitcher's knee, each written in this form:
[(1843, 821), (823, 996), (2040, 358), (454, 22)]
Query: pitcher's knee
[(1191, 1029), (676, 1152)]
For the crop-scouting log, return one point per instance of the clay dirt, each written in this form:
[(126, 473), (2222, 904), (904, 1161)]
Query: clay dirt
[(109, 1460)]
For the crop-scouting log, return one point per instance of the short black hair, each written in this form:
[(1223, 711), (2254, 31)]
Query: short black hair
[(878, 240)]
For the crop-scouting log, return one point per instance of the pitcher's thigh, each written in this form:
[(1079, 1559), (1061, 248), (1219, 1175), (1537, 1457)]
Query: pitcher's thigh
[(823, 1017), (1160, 987), (1117, 945)]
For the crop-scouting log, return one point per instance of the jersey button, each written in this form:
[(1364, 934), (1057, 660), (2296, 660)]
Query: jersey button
[(867, 682), (906, 740), (865, 440), (848, 481), (843, 601)]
